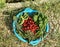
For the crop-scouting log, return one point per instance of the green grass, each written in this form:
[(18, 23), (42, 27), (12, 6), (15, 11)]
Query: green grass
[(2, 3)]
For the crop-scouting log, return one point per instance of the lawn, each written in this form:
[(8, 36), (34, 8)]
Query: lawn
[(49, 8)]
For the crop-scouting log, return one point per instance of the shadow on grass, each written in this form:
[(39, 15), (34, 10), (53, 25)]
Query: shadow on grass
[(9, 17)]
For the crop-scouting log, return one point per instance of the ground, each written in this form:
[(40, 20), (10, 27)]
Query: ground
[(50, 9)]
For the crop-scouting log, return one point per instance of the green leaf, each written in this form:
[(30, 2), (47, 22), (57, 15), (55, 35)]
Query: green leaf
[(25, 16), (35, 17), (21, 20)]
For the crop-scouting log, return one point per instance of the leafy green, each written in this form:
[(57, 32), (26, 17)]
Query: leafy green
[(21, 20), (25, 16), (35, 17), (42, 25)]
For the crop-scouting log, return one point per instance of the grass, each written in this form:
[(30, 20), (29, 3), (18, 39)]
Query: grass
[(51, 9), (2, 3)]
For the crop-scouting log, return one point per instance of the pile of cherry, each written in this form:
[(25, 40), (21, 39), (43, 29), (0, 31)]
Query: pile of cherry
[(29, 24)]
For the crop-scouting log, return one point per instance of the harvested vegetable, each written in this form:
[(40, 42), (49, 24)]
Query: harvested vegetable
[(31, 27)]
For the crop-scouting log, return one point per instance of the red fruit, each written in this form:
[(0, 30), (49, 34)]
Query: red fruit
[(29, 25), (27, 28), (32, 22), (28, 22), (25, 21), (33, 30), (24, 24)]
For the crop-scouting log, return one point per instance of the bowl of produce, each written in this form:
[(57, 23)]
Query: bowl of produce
[(30, 26)]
